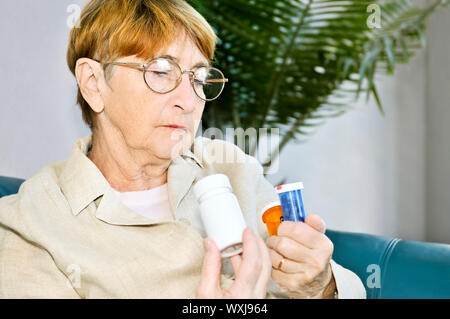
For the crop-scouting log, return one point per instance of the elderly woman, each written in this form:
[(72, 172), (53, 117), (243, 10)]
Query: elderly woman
[(118, 219)]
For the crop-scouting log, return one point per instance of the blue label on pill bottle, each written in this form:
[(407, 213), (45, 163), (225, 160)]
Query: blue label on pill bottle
[(292, 202)]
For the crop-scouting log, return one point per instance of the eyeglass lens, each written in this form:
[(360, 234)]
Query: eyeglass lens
[(163, 75)]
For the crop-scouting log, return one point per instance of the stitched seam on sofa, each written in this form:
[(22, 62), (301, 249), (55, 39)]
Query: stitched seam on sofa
[(385, 261)]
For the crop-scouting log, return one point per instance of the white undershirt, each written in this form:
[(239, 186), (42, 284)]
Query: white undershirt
[(152, 203)]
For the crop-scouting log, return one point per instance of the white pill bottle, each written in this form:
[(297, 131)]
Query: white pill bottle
[(221, 214)]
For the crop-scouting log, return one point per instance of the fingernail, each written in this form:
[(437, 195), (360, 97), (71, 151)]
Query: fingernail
[(206, 244)]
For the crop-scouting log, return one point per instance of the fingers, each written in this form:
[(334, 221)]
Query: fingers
[(287, 266), (266, 270), (211, 270), (236, 263), (301, 233), (316, 222), (251, 264), (309, 281), (305, 251), (253, 269), (291, 282), (290, 249)]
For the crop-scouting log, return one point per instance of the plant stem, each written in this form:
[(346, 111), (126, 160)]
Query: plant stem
[(236, 116)]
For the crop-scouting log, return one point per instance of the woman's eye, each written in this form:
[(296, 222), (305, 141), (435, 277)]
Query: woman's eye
[(160, 73), (199, 82)]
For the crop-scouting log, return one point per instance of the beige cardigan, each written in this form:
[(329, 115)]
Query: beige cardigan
[(66, 235)]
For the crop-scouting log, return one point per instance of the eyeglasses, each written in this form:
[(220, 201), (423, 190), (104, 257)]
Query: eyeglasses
[(162, 75)]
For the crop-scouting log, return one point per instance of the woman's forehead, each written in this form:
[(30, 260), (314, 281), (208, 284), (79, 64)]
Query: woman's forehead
[(199, 63), (183, 51)]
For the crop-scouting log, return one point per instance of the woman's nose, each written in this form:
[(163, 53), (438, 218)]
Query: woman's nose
[(185, 92)]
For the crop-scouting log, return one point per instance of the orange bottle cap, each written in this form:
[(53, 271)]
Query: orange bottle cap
[(272, 218)]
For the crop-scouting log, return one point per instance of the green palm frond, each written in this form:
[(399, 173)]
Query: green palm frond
[(292, 63)]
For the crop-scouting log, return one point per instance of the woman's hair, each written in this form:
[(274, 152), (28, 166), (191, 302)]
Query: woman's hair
[(111, 29)]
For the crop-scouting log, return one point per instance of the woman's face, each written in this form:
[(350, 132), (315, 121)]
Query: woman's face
[(142, 116)]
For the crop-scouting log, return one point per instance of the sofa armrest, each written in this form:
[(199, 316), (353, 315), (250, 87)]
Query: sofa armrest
[(394, 268), (9, 185)]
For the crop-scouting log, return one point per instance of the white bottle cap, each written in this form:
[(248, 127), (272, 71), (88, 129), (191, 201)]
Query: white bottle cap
[(269, 206), (211, 182), (289, 187)]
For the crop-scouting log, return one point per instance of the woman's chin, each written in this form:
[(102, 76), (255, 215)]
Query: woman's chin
[(169, 146), (172, 151)]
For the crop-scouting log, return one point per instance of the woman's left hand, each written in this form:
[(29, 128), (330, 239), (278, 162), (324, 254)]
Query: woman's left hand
[(300, 255)]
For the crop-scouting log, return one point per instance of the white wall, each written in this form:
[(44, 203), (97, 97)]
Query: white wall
[(362, 172), (438, 129), (38, 117), (410, 148)]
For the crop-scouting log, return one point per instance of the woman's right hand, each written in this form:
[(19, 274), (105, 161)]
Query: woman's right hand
[(252, 270)]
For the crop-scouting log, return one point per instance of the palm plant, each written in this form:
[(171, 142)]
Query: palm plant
[(294, 63)]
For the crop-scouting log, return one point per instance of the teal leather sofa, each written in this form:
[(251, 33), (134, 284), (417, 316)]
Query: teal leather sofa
[(388, 267)]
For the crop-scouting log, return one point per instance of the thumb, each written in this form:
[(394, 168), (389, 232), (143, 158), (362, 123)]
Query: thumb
[(316, 222), (211, 270)]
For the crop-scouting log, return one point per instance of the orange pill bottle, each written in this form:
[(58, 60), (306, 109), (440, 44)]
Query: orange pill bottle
[(272, 217)]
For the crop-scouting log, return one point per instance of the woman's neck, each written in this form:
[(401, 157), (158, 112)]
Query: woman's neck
[(127, 169)]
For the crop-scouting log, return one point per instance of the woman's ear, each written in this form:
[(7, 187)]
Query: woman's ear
[(89, 77)]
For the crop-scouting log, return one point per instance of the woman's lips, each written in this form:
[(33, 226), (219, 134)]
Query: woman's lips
[(174, 126)]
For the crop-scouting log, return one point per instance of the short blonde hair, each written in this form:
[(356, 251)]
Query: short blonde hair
[(110, 29)]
